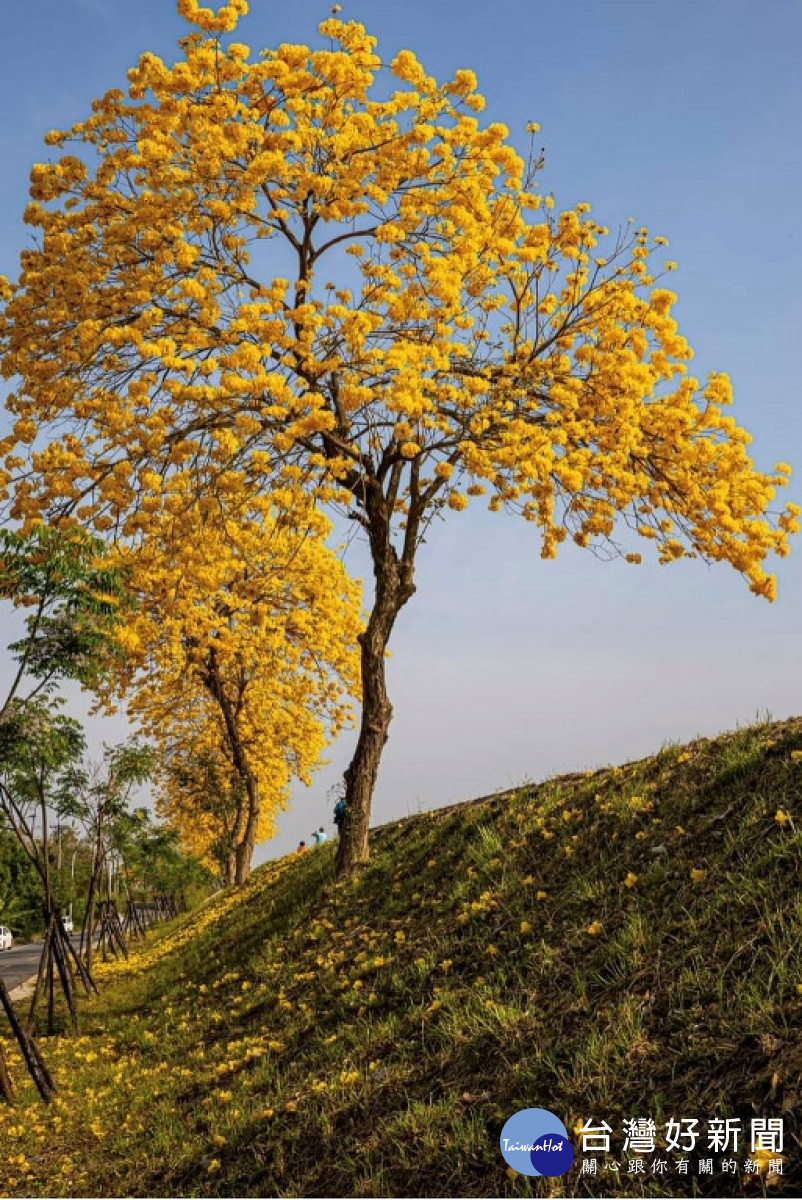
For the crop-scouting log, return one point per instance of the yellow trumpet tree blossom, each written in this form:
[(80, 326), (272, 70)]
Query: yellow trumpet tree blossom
[(197, 797), (311, 266), (241, 657)]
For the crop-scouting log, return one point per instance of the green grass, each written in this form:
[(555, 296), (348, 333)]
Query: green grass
[(304, 1037)]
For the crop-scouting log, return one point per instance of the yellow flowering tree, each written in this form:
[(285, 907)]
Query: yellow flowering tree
[(198, 797), (241, 656), (255, 271)]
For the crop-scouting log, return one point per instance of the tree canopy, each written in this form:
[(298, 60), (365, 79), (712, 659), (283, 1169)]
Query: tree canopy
[(314, 270), (75, 599)]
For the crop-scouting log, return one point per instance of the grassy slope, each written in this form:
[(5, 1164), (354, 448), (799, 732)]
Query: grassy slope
[(302, 1037)]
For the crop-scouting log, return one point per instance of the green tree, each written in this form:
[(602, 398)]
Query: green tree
[(39, 749), (20, 888), (104, 811), (74, 601)]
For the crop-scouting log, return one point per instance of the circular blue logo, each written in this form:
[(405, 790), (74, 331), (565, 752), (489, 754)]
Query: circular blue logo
[(535, 1142), (552, 1155)]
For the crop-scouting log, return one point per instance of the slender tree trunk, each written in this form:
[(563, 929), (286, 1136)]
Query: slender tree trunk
[(63, 966), (88, 930), (51, 991), (40, 979), (247, 842), (46, 857), (247, 822), (394, 587)]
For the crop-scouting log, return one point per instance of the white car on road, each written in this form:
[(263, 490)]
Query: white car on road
[(5, 938), (66, 921)]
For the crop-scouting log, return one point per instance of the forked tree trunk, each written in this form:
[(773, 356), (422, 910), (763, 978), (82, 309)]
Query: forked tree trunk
[(394, 586)]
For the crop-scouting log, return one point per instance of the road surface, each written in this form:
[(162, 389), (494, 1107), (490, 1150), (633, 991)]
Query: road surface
[(21, 962)]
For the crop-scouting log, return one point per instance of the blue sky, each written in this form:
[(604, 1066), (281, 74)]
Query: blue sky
[(684, 116)]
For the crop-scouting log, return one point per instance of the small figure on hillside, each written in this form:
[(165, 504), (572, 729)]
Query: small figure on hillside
[(320, 836), (301, 847), (339, 814)]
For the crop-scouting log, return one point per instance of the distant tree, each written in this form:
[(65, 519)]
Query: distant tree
[(39, 749), (240, 659), (69, 853), (20, 888), (154, 863), (262, 272), (104, 810), (202, 801)]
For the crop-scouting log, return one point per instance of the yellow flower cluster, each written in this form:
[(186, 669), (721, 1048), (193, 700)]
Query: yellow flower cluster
[(179, 317), (222, 21), (240, 657)]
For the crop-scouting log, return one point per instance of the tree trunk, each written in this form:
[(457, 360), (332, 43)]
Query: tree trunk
[(394, 586), (88, 929), (244, 836), (247, 842), (228, 869)]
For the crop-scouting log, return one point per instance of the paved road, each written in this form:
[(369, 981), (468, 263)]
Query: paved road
[(20, 962)]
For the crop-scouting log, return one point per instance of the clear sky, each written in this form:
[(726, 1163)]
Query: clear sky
[(685, 116)]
